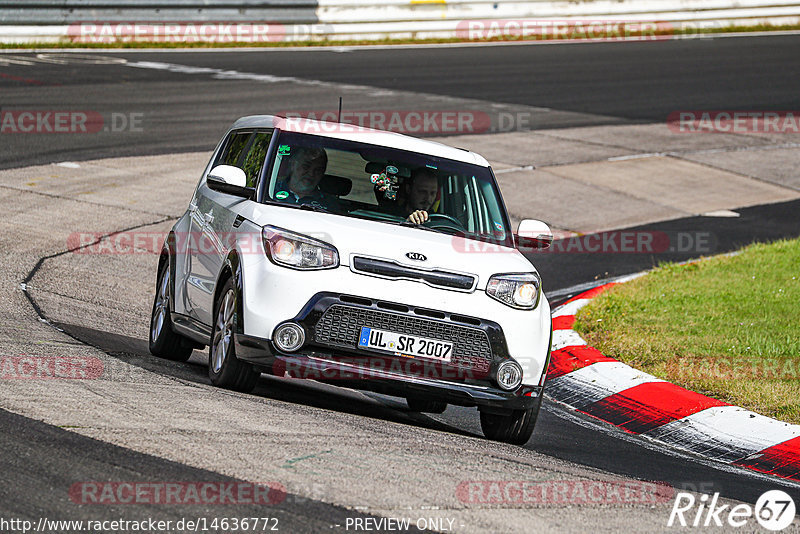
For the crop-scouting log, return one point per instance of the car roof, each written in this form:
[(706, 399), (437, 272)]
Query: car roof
[(362, 135)]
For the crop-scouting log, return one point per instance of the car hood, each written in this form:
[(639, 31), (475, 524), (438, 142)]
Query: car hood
[(376, 239)]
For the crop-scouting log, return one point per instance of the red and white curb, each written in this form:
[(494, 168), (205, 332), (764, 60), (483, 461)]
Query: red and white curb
[(580, 376)]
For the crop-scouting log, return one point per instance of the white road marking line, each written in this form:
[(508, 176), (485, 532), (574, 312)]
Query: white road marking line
[(720, 213), (636, 156), (515, 169), (225, 74)]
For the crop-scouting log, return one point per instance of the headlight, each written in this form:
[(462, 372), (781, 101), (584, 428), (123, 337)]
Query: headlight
[(297, 251), (516, 290)]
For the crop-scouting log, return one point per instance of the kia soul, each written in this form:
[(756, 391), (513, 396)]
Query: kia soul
[(361, 258)]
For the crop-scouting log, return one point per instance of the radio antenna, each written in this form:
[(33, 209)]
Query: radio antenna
[(340, 110)]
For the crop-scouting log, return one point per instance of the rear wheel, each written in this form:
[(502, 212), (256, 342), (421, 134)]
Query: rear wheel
[(165, 343), (224, 369), (515, 427), (426, 406)]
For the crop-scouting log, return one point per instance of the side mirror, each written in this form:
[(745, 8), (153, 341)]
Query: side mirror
[(533, 235), (230, 180)]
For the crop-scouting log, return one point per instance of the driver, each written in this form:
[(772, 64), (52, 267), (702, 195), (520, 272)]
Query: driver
[(420, 195), (307, 168)]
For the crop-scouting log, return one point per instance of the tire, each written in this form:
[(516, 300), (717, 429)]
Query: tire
[(224, 369), (425, 405), (515, 428), (165, 343)]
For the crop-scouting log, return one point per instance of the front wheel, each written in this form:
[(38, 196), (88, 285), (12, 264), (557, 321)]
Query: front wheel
[(224, 369), (165, 343), (515, 428)]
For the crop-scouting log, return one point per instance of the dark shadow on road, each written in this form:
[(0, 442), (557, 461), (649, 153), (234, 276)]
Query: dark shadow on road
[(691, 237), (134, 351)]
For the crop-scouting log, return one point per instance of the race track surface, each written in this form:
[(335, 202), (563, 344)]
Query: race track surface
[(339, 453)]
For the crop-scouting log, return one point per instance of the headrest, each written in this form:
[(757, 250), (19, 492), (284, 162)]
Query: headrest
[(335, 185)]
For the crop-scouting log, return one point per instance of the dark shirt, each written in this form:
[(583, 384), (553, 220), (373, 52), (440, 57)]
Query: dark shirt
[(395, 207)]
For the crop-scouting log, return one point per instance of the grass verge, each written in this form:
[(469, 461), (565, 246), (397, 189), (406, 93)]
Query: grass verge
[(677, 33), (728, 327)]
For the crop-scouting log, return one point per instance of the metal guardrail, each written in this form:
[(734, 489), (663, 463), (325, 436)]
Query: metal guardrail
[(52, 21), (43, 12)]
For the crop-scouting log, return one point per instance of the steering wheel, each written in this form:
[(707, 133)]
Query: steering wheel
[(445, 222)]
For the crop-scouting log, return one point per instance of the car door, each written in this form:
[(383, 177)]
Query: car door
[(214, 215)]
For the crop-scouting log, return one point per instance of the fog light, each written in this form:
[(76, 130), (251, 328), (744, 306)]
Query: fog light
[(509, 375), (289, 337)]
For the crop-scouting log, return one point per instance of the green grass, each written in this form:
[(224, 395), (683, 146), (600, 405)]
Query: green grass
[(728, 327), (364, 42)]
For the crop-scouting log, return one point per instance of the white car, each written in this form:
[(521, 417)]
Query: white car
[(361, 258)]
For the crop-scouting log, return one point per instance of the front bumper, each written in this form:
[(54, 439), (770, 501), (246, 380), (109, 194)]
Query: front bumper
[(323, 366), (272, 295), (332, 321)]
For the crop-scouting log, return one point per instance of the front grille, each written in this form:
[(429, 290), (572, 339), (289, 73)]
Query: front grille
[(340, 326), (396, 271)]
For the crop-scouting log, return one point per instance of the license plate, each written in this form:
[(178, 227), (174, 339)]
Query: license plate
[(405, 345)]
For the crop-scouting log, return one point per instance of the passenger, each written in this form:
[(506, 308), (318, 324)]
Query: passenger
[(307, 168)]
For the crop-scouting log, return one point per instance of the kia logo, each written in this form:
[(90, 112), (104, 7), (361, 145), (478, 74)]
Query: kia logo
[(416, 256)]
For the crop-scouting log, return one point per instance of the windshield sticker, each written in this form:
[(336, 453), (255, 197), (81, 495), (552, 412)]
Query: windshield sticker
[(386, 182), (280, 195), (498, 226), (284, 150)]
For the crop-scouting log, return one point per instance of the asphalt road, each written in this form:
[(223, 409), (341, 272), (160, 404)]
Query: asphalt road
[(188, 110), (637, 81), (33, 464), (556, 86), (722, 234)]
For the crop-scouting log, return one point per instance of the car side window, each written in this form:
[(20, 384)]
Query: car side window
[(254, 160), (233, 149)]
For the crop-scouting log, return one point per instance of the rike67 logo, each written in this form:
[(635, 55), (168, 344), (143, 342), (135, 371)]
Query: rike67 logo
[(774, 510)]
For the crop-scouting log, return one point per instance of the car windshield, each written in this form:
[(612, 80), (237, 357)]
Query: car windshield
[(386, 184)]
